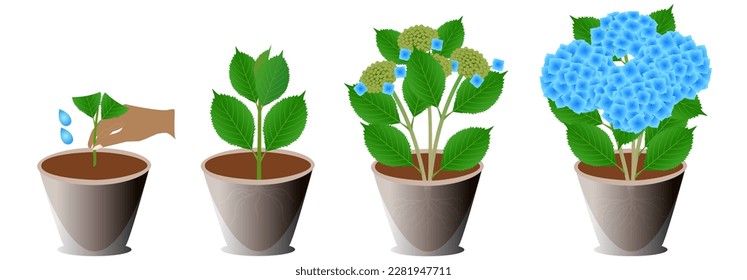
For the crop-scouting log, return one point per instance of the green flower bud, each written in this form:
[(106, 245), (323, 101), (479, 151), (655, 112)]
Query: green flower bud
[(444, 62), (471, 62), (377, 74), (418, 36)]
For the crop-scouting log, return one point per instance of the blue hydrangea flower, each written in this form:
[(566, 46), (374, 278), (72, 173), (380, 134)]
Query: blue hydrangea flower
[(497, 65), (663, 70), (404, 54), (476, 80), (454, 66), (388, 88), (360, 89), (437, 44), (400, 72)]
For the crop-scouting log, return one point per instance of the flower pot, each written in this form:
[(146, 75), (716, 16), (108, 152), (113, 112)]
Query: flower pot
[(630, 218), (427, 218), (94, 207), (258, 217)]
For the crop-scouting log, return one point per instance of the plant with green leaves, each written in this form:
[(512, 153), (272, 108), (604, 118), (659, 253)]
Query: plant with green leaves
[(423, 58), (99, 107), (261, 81), (642, 75)]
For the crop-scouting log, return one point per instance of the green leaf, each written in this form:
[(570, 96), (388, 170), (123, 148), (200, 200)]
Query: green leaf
[(664, 125), (415, 104), (261, 59), (591, 145), (386, 40), (88, 104), (387, 145), (425, 78), (285, 122), (664, 20), (475, 100), (582, 28), (624, 137), (241, 74), (668, 149), (465, 149), (687, 109), (110, 108), (374, 107), (452, 33), (272, 79), (232, 120), (567, 116)]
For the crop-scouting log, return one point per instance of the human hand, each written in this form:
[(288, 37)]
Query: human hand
[(135, 125)]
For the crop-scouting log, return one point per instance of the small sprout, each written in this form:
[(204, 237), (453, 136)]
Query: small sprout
[(497, 65), (476, 80), (360, 89), (404, 54), (388, 88), (400, 72), (437, 44), (454, 65), (66, 137)]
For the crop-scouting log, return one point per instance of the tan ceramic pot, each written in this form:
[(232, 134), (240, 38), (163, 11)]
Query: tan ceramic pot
[(427, 217), (631, 218), (258, 217), (94, 216)]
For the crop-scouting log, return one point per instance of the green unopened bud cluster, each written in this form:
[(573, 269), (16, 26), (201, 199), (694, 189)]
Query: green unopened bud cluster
[(418, 36), (444, 62), (471, 62), (377, 74)]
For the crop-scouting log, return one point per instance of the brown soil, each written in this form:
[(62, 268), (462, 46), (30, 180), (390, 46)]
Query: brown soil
[(409, 172), (80, 166), (244, 166), (612, 172)]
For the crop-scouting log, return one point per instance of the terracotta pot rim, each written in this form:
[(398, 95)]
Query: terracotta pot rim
[(95, 181), (433, 183), (632, 183), (263, 181)]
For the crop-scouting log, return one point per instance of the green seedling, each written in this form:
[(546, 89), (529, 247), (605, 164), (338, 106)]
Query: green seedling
[(260, 81), (98, 107)]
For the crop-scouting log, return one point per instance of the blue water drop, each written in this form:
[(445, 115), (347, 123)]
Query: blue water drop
[(65, 118), (66, 137)]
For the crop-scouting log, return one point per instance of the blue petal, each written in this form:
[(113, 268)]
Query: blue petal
[(437, 44), (404, 54), (497, 65), (400, 72), (388, 88), (360, 88), (476, 80)]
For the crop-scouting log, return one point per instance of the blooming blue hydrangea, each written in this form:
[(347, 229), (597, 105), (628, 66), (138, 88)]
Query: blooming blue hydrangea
[(497, 65), (388, 88), (476, 80), (404, 54), (437, 44), (360, 88), (454, 66), (400, 72), (664, 70)]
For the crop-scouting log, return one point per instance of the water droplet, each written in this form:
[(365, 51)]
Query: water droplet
[(66, 137), (65, 118)]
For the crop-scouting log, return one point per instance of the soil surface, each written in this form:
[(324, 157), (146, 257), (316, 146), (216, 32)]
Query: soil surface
[(244, 166), (80, 165), (612, 172), (409, 172)]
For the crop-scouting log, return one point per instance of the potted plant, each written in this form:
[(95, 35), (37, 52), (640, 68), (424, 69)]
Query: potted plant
[(644, 77), (258, 191), (427, 193), (94, 195)]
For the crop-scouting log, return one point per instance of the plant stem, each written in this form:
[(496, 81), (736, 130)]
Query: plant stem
[(431, 148), (258, 154), (635, 155), (442, 117), (95, 135), (624, 163), (409, 125)]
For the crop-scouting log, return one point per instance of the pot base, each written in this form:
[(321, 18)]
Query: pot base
[(235, 251), (410, 252), (78, 252), (652, 251)]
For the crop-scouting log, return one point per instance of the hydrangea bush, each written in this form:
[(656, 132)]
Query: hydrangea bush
[(421, 59), (642, 75)]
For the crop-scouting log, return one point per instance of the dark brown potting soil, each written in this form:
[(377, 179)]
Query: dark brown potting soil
[(244, 166), (409, 172), (80, 165), (612, 172)]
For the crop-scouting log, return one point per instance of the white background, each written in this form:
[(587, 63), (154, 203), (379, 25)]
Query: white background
[(528, 220)]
